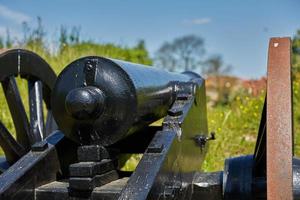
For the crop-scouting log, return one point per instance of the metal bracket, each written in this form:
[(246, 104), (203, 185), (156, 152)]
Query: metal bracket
[(90, 70), (201, 140)]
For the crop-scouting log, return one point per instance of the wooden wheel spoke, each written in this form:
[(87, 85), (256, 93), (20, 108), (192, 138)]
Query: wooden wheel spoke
[(36, 109), (50, 124), (12, 149), (18, 113), (279, 134), (259, 169)]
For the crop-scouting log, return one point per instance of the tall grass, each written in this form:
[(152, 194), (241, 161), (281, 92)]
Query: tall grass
[(237, 123)]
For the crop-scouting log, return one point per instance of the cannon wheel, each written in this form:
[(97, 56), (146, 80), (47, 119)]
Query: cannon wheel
[(273, 154), (40, 78)]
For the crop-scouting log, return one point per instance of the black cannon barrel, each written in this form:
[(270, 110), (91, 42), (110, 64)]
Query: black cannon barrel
[(100, 101)]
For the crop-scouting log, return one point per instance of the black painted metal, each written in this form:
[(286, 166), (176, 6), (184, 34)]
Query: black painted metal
[(28, 65), (207, 186), (50, 125), (36, 109), (133, 96), (34, 169), (143, 136), (59, 190), (12, 149), (94, 169), (237, 178), (17, 111), (41, 78), (240, 180), (4, 165), (172, 152), (99, 101), (92, 153), (296, 178), (143, 178), (259, 168), (201, 185)]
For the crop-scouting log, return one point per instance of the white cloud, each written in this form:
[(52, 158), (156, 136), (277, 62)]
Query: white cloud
[(13, 15), (198, 21)]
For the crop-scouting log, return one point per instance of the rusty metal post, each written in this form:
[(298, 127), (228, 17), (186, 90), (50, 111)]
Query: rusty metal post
[(279, 121)]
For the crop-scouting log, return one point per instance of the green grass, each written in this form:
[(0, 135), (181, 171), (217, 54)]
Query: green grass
[(236, 126)]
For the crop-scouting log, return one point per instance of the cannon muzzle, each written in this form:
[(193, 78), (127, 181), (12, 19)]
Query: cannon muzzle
[(85, 103)]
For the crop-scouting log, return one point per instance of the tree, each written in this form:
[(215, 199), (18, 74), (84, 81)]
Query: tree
[(214, 66), (184, 53)]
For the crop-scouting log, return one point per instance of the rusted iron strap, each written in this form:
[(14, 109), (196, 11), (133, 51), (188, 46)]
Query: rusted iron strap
[(279, 121)]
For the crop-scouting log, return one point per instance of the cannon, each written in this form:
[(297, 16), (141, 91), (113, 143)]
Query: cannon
[(101, 110), (100, 101)]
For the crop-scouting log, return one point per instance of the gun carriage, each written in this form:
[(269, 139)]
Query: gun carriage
[(100, 110)]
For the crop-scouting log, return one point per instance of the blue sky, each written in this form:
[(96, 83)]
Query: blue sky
[(239, 30)]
